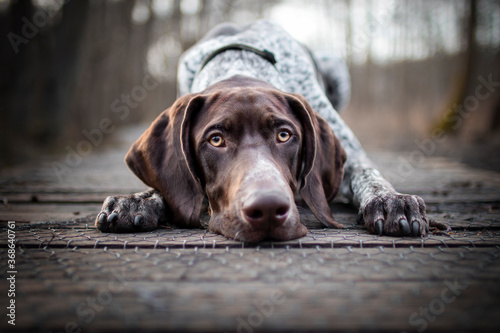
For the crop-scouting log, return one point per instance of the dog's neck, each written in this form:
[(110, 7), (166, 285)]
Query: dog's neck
[(231, 63)]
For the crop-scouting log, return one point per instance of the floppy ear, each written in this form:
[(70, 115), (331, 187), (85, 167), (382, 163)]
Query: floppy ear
[(322, 161), (160, 160)]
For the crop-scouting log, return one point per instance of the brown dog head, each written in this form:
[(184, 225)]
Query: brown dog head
[(247, 147)]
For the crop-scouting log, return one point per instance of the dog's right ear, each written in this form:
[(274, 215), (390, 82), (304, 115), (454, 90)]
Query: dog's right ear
[(158, 158)]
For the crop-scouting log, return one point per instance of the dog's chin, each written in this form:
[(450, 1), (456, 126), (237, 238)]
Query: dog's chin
[(240, 230), (285, 233)]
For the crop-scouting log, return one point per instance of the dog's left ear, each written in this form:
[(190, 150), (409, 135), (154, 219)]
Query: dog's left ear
[(322, 161), (162, 159)]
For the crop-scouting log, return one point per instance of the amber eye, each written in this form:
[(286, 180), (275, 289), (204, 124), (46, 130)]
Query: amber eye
[(284, 136), (216, 141)]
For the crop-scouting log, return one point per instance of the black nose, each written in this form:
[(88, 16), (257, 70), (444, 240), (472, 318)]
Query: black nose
[(266, 208)]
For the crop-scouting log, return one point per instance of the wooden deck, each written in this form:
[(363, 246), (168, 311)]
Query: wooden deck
[(71, 278)]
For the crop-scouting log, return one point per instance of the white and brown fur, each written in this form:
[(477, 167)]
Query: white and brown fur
[(324, 82)]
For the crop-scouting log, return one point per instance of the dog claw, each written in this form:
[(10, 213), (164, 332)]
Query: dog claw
[(415, 226), (102, 220), (379, 226), (138, 220), (405, 228), (113, 217)]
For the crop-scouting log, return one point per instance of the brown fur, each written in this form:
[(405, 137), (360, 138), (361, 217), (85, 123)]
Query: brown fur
[(172, 156)]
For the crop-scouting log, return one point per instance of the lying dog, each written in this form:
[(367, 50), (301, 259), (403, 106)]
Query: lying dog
[(255, 125)]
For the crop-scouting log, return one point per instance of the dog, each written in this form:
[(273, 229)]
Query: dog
[(256, 124)]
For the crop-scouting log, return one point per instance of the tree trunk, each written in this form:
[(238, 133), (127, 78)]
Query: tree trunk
[(451, 121)]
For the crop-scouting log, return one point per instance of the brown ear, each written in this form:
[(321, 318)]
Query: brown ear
[(322, 161), (160, 160)]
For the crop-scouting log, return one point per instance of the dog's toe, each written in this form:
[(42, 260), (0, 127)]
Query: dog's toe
[(102, 219), (138, 220), (415, 228), (113, 218), (379, 227), (404, 227)]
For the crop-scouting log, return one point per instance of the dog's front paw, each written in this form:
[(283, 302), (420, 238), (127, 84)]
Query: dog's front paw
[(395, 214), (136, 212)]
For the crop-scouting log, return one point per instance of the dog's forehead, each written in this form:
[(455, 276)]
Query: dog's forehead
[(248, 96), (248, 104)]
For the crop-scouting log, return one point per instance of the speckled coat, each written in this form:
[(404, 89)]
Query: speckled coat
[(295, 71)]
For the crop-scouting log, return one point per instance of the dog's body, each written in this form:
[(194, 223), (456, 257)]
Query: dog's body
[(253, 126)]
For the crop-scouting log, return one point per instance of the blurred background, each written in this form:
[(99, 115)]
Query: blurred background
[(425, 74)]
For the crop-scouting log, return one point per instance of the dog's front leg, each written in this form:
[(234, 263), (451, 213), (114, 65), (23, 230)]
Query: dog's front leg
[(142, 211), (383, 210)]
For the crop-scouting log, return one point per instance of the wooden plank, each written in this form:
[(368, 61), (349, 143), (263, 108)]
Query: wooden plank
[(55, 212), (59, 197), (361, 307), (301, 289)]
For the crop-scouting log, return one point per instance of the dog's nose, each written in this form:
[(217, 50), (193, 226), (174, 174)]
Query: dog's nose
[(266, 208)]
